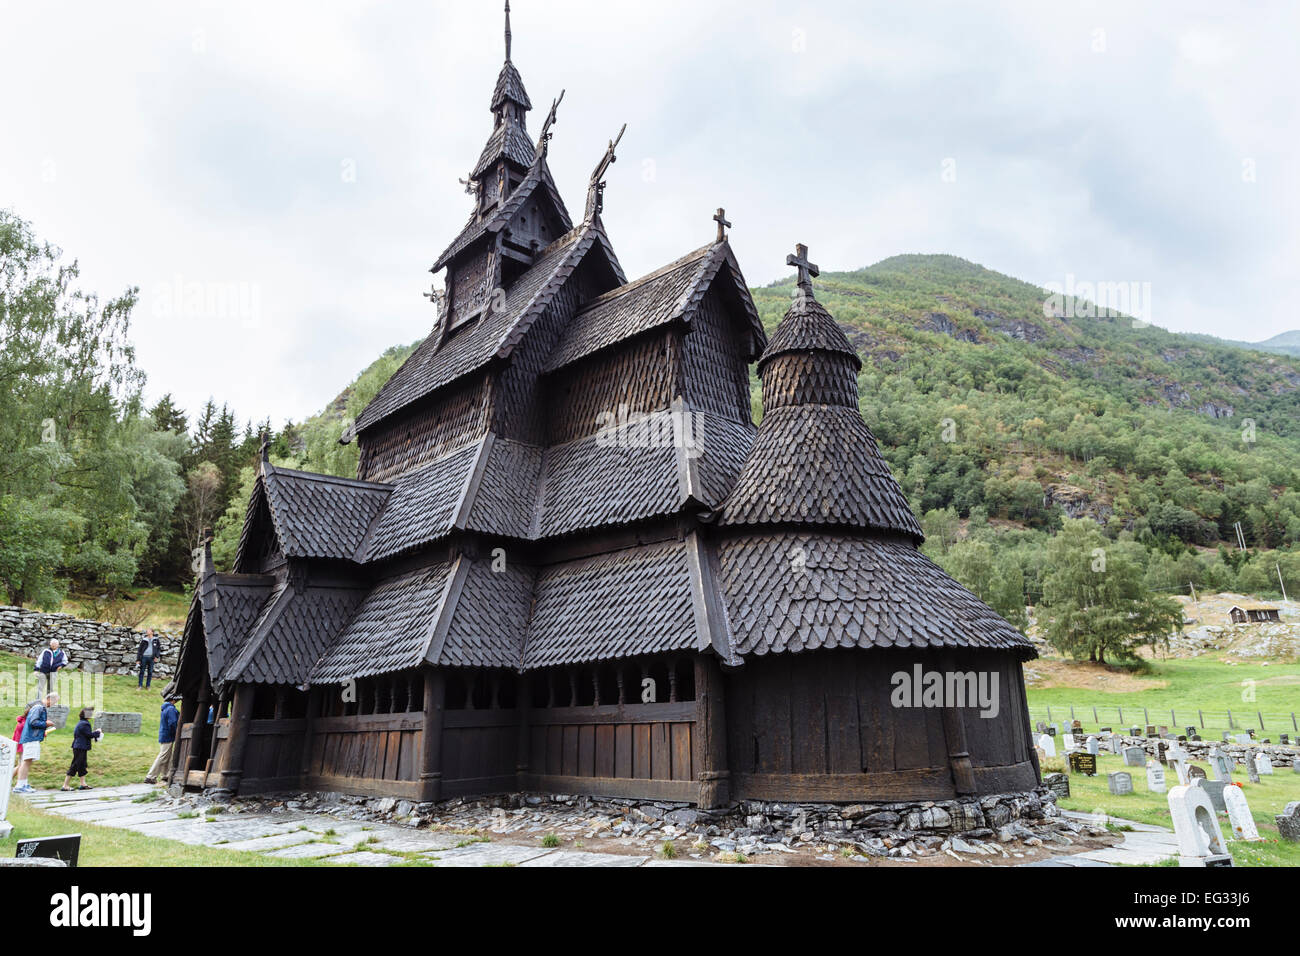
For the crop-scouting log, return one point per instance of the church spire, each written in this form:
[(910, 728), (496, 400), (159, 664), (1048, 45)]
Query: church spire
[(507, 31)]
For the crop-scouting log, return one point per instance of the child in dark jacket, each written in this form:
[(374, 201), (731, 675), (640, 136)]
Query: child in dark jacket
[(83, 738)]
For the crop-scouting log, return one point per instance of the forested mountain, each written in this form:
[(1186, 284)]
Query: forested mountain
[(1004, 412)]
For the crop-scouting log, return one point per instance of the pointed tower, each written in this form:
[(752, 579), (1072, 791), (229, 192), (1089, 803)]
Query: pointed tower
[(517, 207), (814, 460)]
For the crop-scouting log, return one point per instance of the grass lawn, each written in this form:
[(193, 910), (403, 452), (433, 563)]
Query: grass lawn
[(162, 607), (106, 846), (1205, 684), (118, 758), (1266, 799)]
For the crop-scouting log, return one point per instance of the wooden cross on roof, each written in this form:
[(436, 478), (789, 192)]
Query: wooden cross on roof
[(806, 269), (723, 223)]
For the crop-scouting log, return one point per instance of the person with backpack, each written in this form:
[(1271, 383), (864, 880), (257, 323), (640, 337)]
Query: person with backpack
[(83, 738), (33, 737), (47, 667)]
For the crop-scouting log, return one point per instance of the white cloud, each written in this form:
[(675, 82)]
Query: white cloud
[(309, 153)]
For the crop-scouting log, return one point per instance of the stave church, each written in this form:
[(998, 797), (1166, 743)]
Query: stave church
[(570, 562)]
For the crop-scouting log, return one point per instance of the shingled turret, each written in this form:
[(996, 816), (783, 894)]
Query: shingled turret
[(814, 460)]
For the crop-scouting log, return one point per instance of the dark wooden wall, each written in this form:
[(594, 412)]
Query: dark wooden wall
[(715, 376), (371, 753), (821, 726)]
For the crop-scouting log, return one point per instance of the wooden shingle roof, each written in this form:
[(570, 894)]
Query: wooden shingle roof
[(667, 295), (291, 633), (436, 364), (318, 516), (792, 592), (228, 606)]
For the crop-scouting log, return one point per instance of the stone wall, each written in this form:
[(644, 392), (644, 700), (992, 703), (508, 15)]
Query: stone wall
[(1278, 755), (90, 645)]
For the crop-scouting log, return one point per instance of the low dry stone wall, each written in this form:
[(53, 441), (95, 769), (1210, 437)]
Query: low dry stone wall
[(1278, 755), (90, 645)]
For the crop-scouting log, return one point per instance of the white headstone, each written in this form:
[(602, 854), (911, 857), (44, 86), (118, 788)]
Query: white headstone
[(1155, 777), (1200, 841), (1243, 824), (1177, 758), (8, 756), (1263, 764), (1048, 745), (1094, 748), (1220, 767)]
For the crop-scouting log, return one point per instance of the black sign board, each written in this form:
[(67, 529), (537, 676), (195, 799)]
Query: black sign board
[(1191, 731), (1085, 764), (65, 848)]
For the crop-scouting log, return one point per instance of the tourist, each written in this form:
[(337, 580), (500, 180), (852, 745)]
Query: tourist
[(18, 727), (148, 651), (167, 724), (34, 731), (48, 665), (83, 738)]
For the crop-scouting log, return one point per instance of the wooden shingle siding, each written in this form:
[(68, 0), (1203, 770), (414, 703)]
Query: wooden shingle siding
[(455, 420)]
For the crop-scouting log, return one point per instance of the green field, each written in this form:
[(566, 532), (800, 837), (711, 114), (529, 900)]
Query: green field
[(117, 759), (1190, 688), (1266, 799)]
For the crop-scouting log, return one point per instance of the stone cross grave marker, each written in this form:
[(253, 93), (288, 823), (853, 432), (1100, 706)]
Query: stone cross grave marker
[(1200, 841), (1120, 782), (1239, 818), (1155, 777), (1177, 757)]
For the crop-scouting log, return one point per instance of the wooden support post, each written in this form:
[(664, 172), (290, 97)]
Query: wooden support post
[(954, 731), (315, 707), (1029, 730), (241, 715), (710, 734), (198, 736), (435, 688), (523, 703)]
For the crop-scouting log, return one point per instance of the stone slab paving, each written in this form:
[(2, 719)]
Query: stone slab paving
[(580, 858), (274, 842), (487, 854), (364, 858), (310, 851), (1143, 845)]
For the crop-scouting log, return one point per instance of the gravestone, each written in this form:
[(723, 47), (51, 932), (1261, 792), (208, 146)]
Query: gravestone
[(57, 715), (1182, 738), (1264, 764), (1059, 784), (1288, 822), (1047, 745), (1113, 745), (1156, 778), (1135, 731), (1041, 726), (1151, 730), (1286, 740), (1226, 737), (1295, 765), (65, 847), (1200, 841), (1085, 764), (8, 757), (1196, 737), (1251, 770), (1214, 790), (1220, 764), (1161, 749), (1164, 731), (1178, 760), (1191, 731), (1239, 818), (119, 723), (1134, 757), (1195, 773), (1244, 739), (1106, 730), (1120, 782), (1094, 748)]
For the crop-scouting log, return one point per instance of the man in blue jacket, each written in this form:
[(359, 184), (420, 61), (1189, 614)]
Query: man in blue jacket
[(33, 736), (48, 665), (167, 724)]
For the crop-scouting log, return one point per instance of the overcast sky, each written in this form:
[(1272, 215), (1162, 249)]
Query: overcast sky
[(305, 157)]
